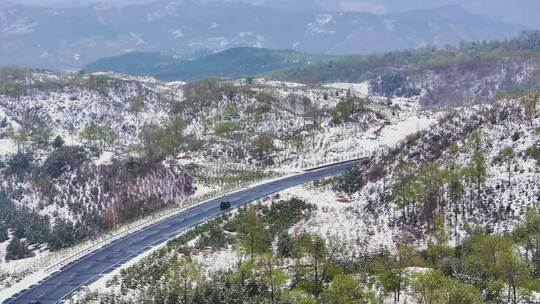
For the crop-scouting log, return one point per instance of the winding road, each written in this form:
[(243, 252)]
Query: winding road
[(61, 284)]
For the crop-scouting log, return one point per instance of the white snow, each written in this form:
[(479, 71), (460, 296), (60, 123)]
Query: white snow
[(383, 125), (361, 89), (7, 146), (336, 218), (105, 158), (215, 261)]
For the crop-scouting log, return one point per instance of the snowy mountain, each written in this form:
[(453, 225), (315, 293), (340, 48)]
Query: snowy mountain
[(231, 63), (478, 167), (73, 37), (82, 154), (471, 73), (426, 218)]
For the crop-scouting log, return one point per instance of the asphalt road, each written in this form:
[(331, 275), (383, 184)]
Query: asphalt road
[(91, 267)]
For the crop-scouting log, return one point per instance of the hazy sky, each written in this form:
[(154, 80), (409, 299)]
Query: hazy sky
[(373, 6), (359, 5), (75, 2), (524, 12)]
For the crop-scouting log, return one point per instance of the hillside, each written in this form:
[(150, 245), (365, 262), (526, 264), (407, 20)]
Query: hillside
[(447, 215), (231, 63), (473, 72), (270, 151), (86, 154), (137, 63)]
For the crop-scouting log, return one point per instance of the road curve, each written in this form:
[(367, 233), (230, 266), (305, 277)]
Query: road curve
[(91, 267)]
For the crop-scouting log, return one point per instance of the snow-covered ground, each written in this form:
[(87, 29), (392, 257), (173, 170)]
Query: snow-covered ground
[(336, 218), (366, 225), (361, 89), (67, 110)]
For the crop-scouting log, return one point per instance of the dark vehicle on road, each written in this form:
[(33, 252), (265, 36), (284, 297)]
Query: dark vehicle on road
[(225, 205)]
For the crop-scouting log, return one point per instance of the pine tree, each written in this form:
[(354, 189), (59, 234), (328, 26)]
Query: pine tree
[(17, 249), (58, 142), (346, 289), (272, 276), (315, 261), (253, 234), (182, 277), (507, 155)]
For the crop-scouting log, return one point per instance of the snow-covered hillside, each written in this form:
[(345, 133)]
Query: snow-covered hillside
[(363, 211), (471, 177), (389, 200), (82, 154)]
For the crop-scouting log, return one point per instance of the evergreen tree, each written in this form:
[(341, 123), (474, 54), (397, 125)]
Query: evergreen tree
[(58, 142), (41, 134), (315, 262), (20, 137), (346, 289), (253, 234), (272, 276), (391, 270), (529, 102), (183, 276), (507, 154), (527, 234), (432, 287), (136, 106), (17, 249), (494, 259)]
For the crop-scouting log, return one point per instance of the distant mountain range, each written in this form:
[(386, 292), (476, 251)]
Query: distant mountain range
[(231, 63), (523, 12), (69, 38)]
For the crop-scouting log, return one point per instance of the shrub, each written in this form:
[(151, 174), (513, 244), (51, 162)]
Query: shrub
[(64, 159), (202, 93), (391, 85), (259, 108), (263, 143), (17, 249), (346, 109), (209, 232), (214, 237), (225, 127), (25, 223), (282, 216), (20, 164), (349, 181), (285, 245), (231, 110), (58, 142), (266, 97), (534, 153)]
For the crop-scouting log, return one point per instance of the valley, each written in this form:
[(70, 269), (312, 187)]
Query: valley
[(231, 183)]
